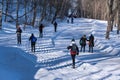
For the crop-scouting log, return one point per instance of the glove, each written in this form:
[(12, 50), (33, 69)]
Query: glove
[(77, 53)]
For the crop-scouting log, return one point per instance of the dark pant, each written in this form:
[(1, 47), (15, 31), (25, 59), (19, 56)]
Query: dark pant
[(82, 48), (73, 60), (55, 28), (18, 38), (90, 48), (33, 46), (40, 34)]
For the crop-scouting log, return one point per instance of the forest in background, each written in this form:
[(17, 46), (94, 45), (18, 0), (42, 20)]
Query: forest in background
[(33, 12)]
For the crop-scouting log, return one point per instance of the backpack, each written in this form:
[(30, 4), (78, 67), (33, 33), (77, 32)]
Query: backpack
[(74, 48), (34, 39), (81, 42)]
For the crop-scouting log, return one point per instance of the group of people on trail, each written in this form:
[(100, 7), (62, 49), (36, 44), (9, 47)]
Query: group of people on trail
[(83, 41), (70, 18), (42, 26), (74, 50), (32, 38)]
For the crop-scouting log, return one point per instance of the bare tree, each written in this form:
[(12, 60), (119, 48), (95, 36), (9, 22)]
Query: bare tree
[(57, 9), (17, 13), (0, 15), (25, 7), (6, 10), (64, 8), (110, 17), (34, 11), (118, 15)]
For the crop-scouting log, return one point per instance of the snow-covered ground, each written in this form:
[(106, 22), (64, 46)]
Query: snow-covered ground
[(52, 61)]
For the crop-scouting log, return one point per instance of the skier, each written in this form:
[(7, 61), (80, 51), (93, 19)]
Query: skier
[(91, 43), (74, 50), (55, 26), (18, 31), (33, 40), (41, 30), (82, 42)]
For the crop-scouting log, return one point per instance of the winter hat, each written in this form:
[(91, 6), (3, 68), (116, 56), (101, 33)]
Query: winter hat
[(73, 39), (73, 42)]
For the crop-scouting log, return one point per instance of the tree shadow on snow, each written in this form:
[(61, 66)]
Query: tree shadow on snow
[(56, 63), (94, 58)]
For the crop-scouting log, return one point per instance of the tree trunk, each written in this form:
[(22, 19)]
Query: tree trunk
[(17, 13), (34, 13), (25, 6), (118, 16), (43, 11), (0, 16), (6, 11), (110, 14)]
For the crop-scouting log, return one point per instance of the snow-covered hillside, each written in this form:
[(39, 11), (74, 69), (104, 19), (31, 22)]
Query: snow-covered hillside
[(52, 61)]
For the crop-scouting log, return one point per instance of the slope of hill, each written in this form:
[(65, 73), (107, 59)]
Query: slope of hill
[(52, 60)]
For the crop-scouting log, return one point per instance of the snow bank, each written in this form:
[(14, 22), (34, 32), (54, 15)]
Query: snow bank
[(106, 46), (16, 64), (85, 68), (115, 51)]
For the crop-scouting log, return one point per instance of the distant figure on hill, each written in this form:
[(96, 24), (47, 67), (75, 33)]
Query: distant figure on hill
[(74, 50), (33, 40), (67, 19), (55, 26), (91, 43), (41, 30), (72, 19), (18, 31), (82, 43)]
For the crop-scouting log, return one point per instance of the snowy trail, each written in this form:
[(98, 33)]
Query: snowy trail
[(48, 59), (53, 59), (63, 61), (85, 60)]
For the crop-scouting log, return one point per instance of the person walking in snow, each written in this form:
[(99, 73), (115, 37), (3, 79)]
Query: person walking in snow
[(33, 40), (41, 30), (55, 26), (82, 43), (91, 43), (67, 19), (72, 19), (18, 31), (74, 50)]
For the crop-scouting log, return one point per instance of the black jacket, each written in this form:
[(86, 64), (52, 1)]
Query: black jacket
[(83, 41), (91, 40)]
